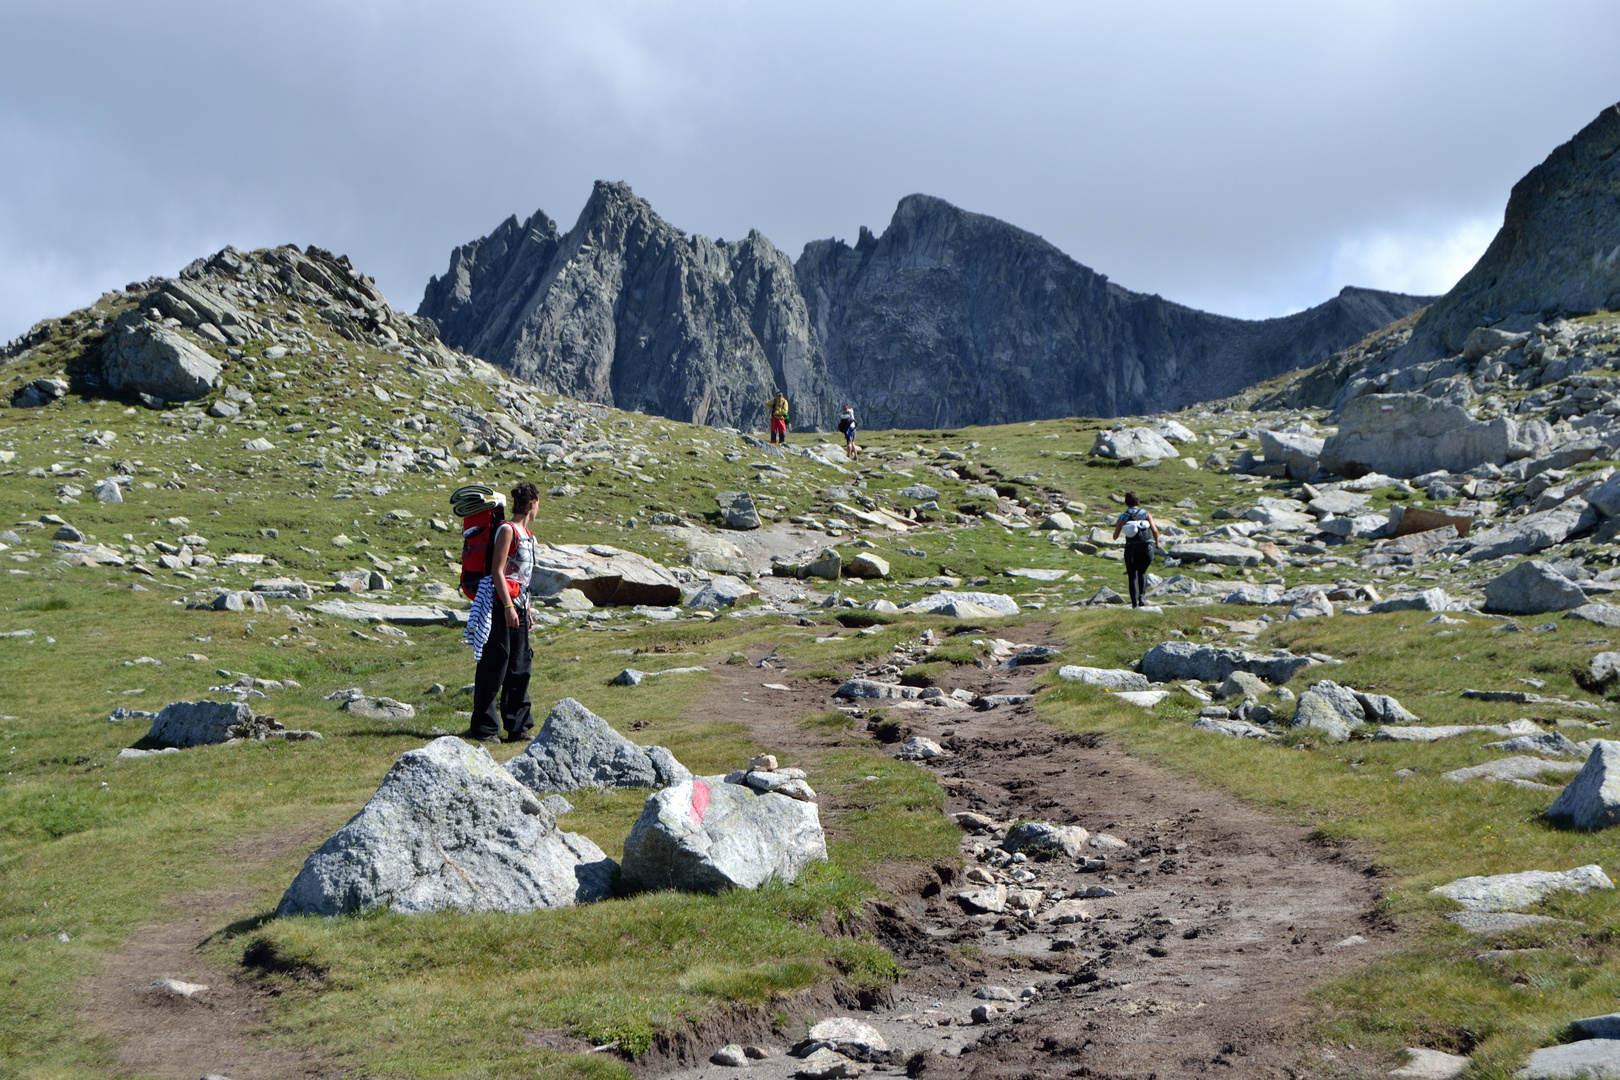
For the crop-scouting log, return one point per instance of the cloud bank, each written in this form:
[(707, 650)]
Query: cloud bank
[(1249, 159)]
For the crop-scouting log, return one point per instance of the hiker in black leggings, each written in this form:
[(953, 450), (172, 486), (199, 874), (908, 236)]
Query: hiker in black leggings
[(1137, 525)]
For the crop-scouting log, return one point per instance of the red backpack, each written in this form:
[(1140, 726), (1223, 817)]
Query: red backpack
[(477, 539)]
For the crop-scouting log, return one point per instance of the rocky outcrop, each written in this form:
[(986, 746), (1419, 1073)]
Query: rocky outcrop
[(1557, 253), (627, 310), (449, 828), (948, 318), (1407, 435)]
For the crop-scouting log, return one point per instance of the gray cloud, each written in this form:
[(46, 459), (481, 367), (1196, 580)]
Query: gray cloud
[(1249, 159)]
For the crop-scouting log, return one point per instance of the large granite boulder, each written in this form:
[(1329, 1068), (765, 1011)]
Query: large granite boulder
[(1299, 453), (142, 356), (1219, 552), (1407, 435), (1173, 661), (449, 828), (39, 393), (722, 591), (200, 723), (707, 835), (1133, 444), (1330, 709), (606, 575), (1592, 799), (1530, 588), (578, 749)]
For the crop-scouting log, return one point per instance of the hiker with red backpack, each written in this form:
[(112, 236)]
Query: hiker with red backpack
[(497, 563)]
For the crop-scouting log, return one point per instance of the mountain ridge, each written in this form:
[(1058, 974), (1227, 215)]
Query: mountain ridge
[(947, 318)]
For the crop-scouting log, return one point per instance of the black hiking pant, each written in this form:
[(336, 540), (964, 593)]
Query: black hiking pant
[(504, 669), (1138, 557)]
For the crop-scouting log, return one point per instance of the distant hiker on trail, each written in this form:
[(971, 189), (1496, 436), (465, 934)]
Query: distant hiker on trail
[(846, 424), (498, 626), (1137, 525), (779, 418)]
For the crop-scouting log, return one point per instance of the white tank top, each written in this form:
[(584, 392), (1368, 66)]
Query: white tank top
[(519, 560)]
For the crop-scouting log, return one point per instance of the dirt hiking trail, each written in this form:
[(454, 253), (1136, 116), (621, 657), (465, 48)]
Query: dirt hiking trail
[(1201, 964)]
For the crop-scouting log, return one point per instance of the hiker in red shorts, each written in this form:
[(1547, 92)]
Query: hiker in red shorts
[(779, 418)]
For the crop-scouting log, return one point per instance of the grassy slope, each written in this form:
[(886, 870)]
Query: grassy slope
[(96, 862)]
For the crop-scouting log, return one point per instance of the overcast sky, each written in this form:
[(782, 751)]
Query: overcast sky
[(1249, 159)]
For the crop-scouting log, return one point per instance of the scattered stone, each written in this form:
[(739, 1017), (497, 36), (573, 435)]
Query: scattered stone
[(448, 828), (918, 748), (1133, 444), (738, 510), (1174, 661), (398, 614), (1507, 892), (722, 591), (1592, 799), (827, 1065), (1587, 1058), (965, 605), (1542, 742), (731, 1055), (1383, 709), (1331, 709), (200, 723), (1241, 729), (176, 988), (849, 1037), (706, 835), (829, 566), (557, 804), (1427, 600), (867, 565), (1511, 769), (1531, 588), (578, 749), (1314, 605), (918, 493), (1298, 453), (1145, 699), (379, 708), (1043, 836), (991, 899), (1107, 678), (1422, 1064), (1451, 731)]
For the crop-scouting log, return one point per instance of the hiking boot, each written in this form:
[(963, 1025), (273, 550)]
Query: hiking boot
[(472, 736), (520, 736)]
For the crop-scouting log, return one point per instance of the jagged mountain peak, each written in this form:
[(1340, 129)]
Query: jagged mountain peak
[(948, 317)]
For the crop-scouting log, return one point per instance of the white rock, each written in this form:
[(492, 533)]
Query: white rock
[(1108, 678), (1145, 699), (706, 835), (1508, 892), (1592, 799), (1133, 444), (1422, 1064)]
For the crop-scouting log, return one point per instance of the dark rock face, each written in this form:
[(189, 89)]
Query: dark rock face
[(953, 318), (1557, 253), (948, 318), (627, 310)]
